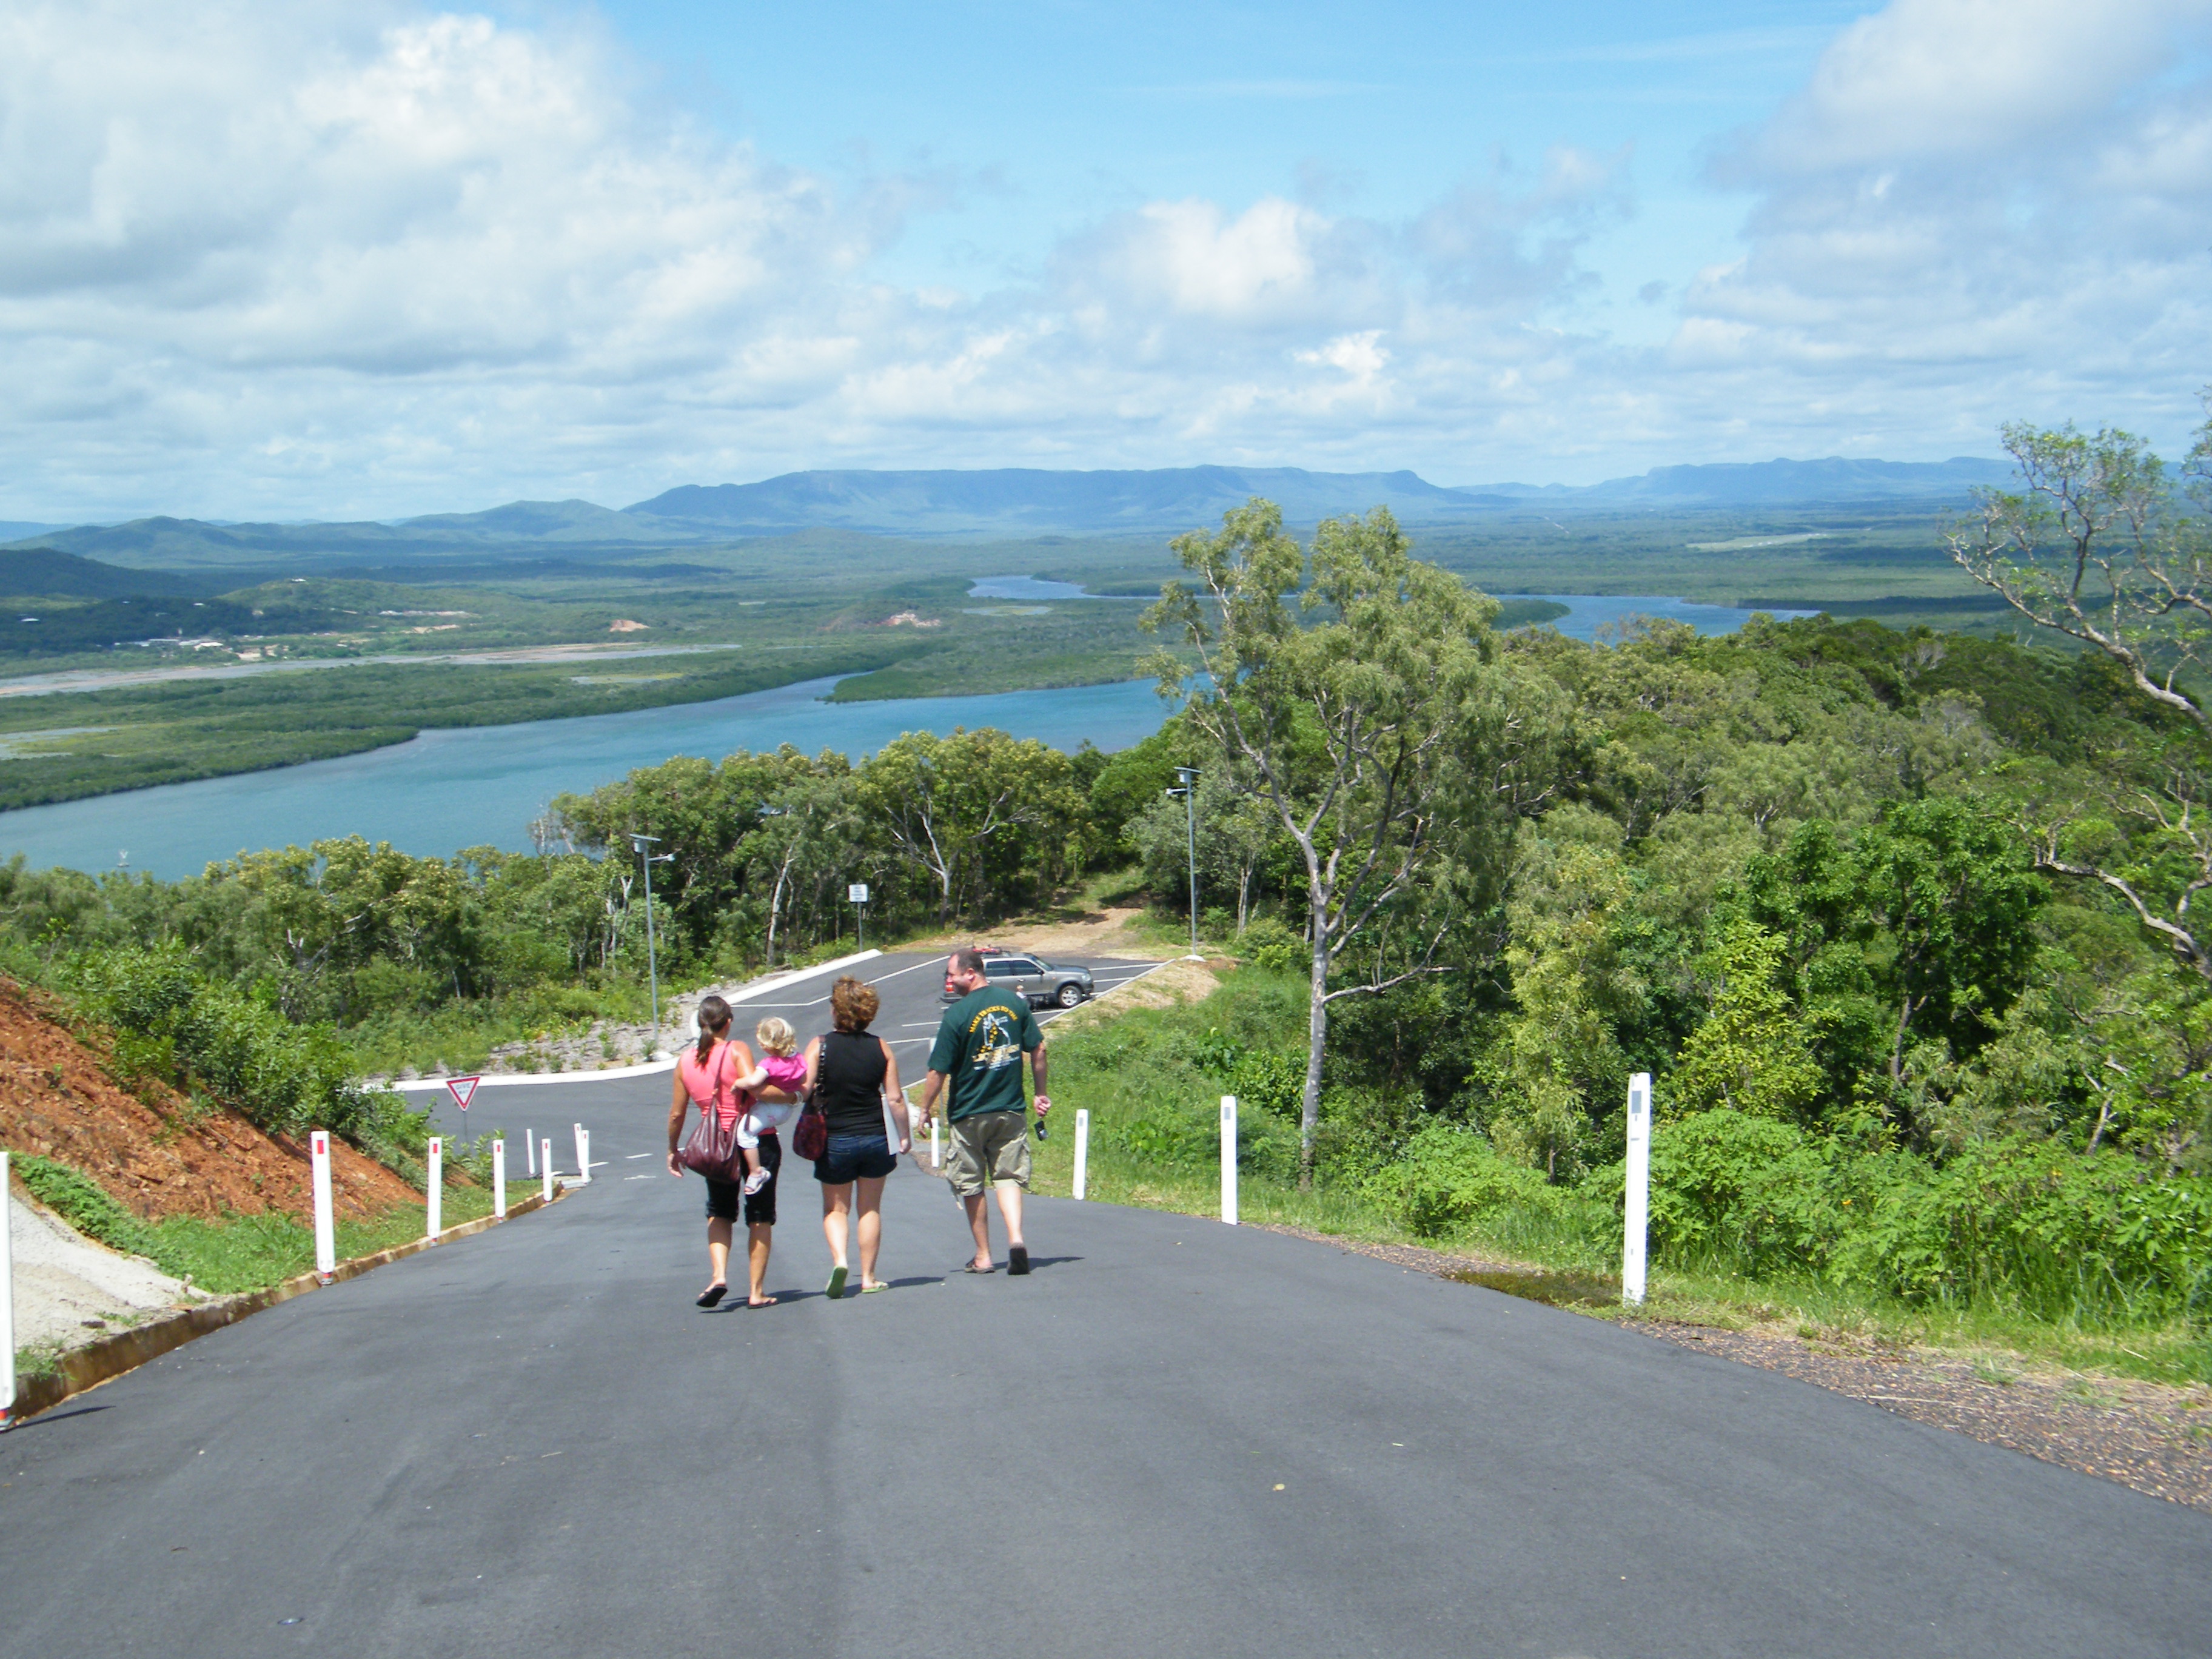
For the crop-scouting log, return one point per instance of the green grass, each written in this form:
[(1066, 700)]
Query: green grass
[(1145, 1077), (238, 1252)]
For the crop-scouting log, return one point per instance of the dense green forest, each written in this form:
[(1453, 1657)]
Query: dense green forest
[(1896, 919)]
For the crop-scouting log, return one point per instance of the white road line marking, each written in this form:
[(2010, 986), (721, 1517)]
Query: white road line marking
[(910, 968), (632, 1157)]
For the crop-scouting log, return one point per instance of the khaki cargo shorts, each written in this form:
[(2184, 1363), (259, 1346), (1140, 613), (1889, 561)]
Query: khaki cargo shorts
[(991, 1146)]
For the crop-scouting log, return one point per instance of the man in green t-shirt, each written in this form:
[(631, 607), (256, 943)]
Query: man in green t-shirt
[(979, 1049)]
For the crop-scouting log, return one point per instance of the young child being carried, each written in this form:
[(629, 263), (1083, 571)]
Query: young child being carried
[(782, 1068)]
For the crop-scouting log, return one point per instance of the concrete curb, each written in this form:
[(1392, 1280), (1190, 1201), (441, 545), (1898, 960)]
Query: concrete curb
[(651, 1068), (111, 1357)]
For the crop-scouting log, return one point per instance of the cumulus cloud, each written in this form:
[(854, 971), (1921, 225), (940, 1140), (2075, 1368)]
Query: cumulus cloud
[(1971, 209), (330, 260)]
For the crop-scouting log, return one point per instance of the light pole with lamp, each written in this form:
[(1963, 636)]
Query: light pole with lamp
[(1189, 794), (652, 964)]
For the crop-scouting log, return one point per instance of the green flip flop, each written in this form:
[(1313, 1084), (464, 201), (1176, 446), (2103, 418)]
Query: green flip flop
[(837, 1288)]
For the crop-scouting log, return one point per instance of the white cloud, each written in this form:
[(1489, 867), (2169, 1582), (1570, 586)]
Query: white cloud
[(326, 260)]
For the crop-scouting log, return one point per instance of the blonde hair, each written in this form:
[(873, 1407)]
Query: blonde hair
[(776, 1037)]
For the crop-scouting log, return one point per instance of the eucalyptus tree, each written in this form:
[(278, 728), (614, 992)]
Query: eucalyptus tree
[(978, 811), (1365, 699), (2101, 545)]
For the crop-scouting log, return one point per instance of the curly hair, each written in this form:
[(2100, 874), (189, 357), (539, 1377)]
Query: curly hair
[(853, 1005)]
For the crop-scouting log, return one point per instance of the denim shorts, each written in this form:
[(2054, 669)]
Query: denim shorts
[(848, 1159)]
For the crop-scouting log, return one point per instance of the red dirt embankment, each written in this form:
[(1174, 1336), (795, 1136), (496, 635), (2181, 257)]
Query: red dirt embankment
[(58, 1102)]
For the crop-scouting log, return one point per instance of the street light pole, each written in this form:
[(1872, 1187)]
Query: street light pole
[(652, 964), (1189, 794)]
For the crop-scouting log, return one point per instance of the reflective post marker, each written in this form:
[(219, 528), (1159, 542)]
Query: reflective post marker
[(434, 1193), (583, 1155), (1082, 1149), (935, 1162), (1637, 1208), (530, 1151), (319, 1166), (1229, 1159), (545, 1166), (7, 1299), (499, 1180)]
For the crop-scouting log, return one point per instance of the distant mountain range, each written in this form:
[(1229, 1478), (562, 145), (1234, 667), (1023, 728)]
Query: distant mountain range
[(1004, 502)]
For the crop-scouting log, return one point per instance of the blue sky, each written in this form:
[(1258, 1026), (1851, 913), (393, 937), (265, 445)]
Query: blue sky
[(325, 259)]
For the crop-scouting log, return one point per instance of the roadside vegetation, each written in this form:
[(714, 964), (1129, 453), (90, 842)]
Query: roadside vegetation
[(1898, 920)]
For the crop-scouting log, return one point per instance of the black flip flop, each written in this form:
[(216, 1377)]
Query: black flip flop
[(713, 1295), (970, 1267), (1017, 1259)]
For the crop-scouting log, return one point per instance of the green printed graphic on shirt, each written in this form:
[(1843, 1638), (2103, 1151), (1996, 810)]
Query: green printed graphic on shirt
[(980, 1047)]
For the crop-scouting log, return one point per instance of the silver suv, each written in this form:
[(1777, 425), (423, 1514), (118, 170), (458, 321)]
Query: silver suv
[(1036, 979)]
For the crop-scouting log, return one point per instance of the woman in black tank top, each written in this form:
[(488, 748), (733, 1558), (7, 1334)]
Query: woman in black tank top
[(856, 1086)]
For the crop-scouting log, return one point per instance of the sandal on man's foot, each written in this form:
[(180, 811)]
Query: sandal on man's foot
[(836, 1289), (1018, 1258), (713, 1294)]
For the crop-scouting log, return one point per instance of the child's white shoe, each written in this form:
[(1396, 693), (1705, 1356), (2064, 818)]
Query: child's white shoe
[(756, 1181)]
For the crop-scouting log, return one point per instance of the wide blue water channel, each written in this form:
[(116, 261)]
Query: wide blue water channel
[(481, 786), (450, 789)]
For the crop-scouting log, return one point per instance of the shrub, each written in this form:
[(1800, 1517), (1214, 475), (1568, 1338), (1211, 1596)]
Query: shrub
[(1450, 1177), (84, 1204)]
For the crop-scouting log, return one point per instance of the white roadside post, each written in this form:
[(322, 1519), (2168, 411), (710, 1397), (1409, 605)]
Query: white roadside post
[(433, 1215), (935, 1161), (545, 1166), (1229, 1159), (1082, 1151), (7, 1299), (319, 1167), (499, 1180), (1636, 1210), (583, 1155), (530, 1151)]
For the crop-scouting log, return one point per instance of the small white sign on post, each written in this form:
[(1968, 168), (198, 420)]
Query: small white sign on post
[(1635, 1209), (319, 1169), (583, 1155), (1082, 1151), (463, 1089), (1229, 1159), (499, 1180), (7, 1299), (857, 893), (545, 1166), (434, 1214)]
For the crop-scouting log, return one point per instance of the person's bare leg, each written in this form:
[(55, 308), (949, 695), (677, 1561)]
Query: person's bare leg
[(1010, 1206), (756, 1248), (836, 1206), (979, 1222), (718, 1250), (869, 1202)]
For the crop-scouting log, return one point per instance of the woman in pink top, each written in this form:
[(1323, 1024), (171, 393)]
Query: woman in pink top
[(707, 1077)]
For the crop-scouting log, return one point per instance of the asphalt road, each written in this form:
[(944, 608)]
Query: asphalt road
[(1173, 1438)]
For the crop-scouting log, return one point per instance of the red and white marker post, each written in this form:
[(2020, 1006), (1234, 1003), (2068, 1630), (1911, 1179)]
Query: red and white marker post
[(530, 1151), (499, 1180), (434, 1216), (1082, 1151), (463, 1089), (545, 1166), (319, 1167), (583, 1156), (1229, 1159)]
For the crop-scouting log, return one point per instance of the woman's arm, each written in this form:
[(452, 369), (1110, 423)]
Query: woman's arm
[(813, 1063), (677, 1105), (897, 1096)]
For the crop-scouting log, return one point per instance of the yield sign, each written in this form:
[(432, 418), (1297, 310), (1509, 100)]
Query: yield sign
[(463, 1089)]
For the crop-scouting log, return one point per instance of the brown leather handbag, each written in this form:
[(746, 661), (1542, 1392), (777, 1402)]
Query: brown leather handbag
[(810, 1136), (711, 1148)]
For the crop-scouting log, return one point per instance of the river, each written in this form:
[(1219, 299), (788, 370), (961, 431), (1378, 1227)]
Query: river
[(481, 786)]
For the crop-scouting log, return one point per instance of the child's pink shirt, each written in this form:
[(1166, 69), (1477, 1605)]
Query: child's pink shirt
[(785, 1071)]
